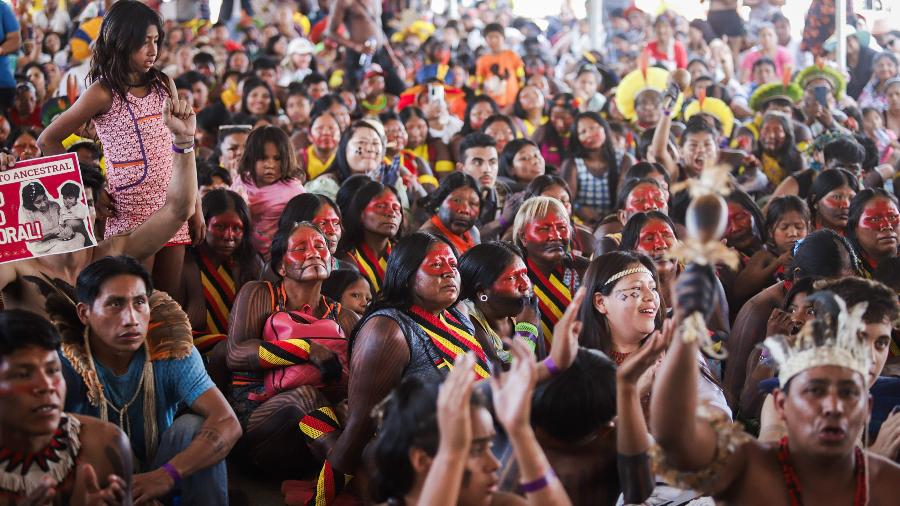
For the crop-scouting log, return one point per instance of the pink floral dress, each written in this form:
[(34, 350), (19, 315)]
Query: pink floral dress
[(138, 149)]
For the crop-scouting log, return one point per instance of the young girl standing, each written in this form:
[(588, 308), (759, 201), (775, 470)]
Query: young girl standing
[(125, 102)]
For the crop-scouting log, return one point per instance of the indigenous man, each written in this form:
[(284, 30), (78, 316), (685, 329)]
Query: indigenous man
[(542, 230), (47, 454), (121, 367), (454, 208), (822, 117), (141, 243), (823, 401), (364, 40)]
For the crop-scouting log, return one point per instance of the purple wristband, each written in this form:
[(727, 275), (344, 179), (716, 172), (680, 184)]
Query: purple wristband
[(502, 221), (538, 484), (172, 472), (551, 366)]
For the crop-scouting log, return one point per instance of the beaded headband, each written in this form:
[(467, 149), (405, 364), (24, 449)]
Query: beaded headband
[(621, 274)]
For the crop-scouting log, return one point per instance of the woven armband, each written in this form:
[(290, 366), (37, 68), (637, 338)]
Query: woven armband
[(329, 485), (729, 437), (319, 423), (283, 353)]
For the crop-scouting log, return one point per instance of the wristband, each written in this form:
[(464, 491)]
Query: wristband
[(183, 151), (551, 366), (538, 484), (502, 221), (527, 328), (172, 472)]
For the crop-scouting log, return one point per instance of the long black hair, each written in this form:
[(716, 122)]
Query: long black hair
[(403, 262), (408, 419), (827, 181), (467, 117), (509, 153), (340, 166), (221, 200), (251, 84), (122, 33), (607, 150), (857, 206), (821, 255), (353, 224), (742, 199), (595, 331), (304, 207), (481, 265), (550, 135)]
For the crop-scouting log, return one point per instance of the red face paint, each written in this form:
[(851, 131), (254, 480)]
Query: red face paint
[(880, 214), (439, 261), (329, 222), (740, 221), (307, 255), (655, 238), (550, 228), (225, 232), (384, 204), (513, 281), (838, 200), (645, 197)]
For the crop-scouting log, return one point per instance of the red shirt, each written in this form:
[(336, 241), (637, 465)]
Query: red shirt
[(679, 58)]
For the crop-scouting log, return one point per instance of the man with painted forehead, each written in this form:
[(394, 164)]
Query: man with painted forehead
[(823, 401)]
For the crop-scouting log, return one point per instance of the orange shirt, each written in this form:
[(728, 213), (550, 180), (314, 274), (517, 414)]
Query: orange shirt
[(499, 76)]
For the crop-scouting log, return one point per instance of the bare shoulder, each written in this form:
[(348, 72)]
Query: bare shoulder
[(381, 327), (507, 499), (884, 479)]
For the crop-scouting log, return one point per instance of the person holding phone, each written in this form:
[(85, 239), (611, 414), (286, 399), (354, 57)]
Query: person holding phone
[(823, 87)]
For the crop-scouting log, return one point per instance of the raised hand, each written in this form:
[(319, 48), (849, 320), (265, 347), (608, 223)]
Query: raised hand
[(453, 405), (887, 444), (180, 119), (512, 391), (565, 333), (635, 368)]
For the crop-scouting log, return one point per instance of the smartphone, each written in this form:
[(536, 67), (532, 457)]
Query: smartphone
[(821, 93), (435, 93)]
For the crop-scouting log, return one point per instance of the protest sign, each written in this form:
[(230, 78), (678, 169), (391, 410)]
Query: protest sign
[(43, 209)]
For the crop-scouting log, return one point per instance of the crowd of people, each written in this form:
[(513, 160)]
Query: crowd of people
[(390, 257)]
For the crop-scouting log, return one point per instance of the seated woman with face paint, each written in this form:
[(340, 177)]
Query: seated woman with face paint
[(287, 350), (322, 212), (636, 196), (372, 223), (454, 207), (214, 273), (873, 227), (543, 232)]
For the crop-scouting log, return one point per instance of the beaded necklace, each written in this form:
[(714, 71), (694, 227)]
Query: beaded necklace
[(795, 493)]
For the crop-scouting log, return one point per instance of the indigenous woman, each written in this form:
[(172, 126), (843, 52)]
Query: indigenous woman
[(278, 419), (553, 137), (787, 221), (410, 166), (360, 151), (324, 135), (372, 222), (885, 67), (322, 212), (520, 163), (478, 109), (529, 108), (412, 328), (637, 196), (777, 153), (215, 270), (434, 152), (829, 199), (653, 234), (454, 207), (873, 227), (593, 172), (542, 231), (639, 97), (746, 231), (500, 128)]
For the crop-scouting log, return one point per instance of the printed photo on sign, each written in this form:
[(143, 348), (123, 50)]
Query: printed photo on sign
[(43, 209)]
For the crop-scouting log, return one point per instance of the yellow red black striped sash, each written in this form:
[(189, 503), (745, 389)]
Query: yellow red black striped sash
[(451, 338), (554, 296), (370, 265), (219, 293)]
